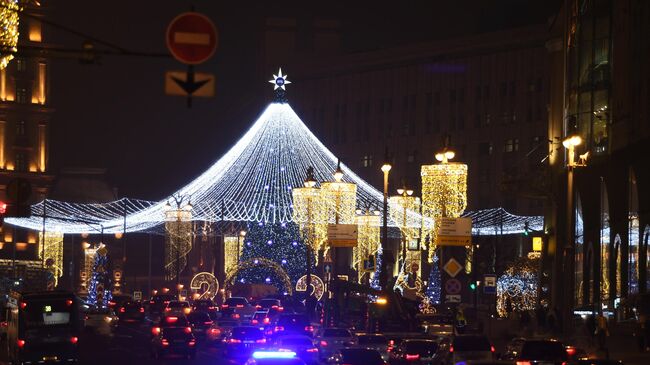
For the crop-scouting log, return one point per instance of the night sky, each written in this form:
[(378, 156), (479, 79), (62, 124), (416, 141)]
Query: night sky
[(114, 114)]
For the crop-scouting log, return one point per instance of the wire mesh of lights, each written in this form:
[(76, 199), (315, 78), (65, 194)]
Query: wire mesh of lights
[(9, 20), (316, 282), (310, 215), (51, 252), (517, 287), (232, 252), (444, 194), (178, 238), (368, 228), (277, 270), (409, 225)]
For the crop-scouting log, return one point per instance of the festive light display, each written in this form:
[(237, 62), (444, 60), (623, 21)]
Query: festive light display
[(205, 284), (9, 20), (517, 287), (89, 260), (51, 252), (232, 252), (310, 213), (318, 286), (178, 239), (434, 289), (99, 290), (409, 225), (368, 241), (444, 194), (258, 264)]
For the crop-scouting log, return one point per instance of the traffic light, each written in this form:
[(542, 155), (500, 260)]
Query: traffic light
[(526, 229), (472, 286)]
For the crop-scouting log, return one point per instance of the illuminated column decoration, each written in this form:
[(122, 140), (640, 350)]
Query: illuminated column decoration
[(368, 240), (310, 215), (444, 194), (89, 259), (339, 201), (51, 252), (178, 239), (8, 30), (402, 208), (232, 252)]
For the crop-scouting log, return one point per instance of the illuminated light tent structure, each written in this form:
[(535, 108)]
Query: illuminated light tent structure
[(252, 182)]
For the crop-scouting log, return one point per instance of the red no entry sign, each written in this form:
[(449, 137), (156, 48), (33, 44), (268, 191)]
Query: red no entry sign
[(192, 38)]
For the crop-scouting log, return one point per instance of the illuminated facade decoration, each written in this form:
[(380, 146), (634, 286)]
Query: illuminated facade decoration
[(9, 21), (178, 239), (51, 252), (367, 242), (316, 282), (517, 287), (232, 252), (444, 194)]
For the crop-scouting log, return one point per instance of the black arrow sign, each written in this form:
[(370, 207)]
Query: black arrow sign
[(189, 85)]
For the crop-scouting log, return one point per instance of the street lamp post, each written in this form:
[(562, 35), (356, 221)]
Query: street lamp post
[(310, 183), (383, 275)]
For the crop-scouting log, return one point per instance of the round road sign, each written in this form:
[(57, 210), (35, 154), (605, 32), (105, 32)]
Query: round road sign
[(452, 286), (192, 38)]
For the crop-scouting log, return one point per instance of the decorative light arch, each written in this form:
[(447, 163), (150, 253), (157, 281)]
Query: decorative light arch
[(256, 262)]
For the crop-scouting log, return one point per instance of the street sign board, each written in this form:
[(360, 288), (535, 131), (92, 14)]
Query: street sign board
[(192, 38), (137, 295), (452, 298), (369, 264), (414, 245), (177, 83), (452, 286), (454, 232), (342, 235), (489, 284), (327, 267), (452, 267)]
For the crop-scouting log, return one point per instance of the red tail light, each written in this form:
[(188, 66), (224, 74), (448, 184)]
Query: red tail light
[(122, 310), (209, 323), (215, 331), (263, 340), (188, 329), (165, 342), (111, 303), (166, 302), (152, 302), (278, 328), (280, 309), (254, 321), (275, 307), (414, 357), (323, 343), (492, 348), (312, 350), (168, 309), (192, 343), (571, 351), (527, 363), (3, 324), (224, 306), (309, 328), (23, 305), (155, 331), (234, 340), (74, 340), (240, 306), (451, 348), (236, 316), (258, 307), (68, 302), (141, 309), (211, 308), (21, 343), (267, 320), (171, 319)]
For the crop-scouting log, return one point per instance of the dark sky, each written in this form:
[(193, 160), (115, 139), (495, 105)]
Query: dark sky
[(115, 115)]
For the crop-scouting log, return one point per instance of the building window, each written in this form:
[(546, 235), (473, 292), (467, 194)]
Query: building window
[(452, 96), (486, 91), (366, 161), (503, 89), (411, 157), (478, 92), (21, 65), (485, 148), (461, 122), (511, 145), (21, 161), (436, 98), (487, 119), (428, 116), (461, 95), (20, 128), (513, 88), (21, 95), (477, 120)]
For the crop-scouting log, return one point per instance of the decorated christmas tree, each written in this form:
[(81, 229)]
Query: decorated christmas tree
[(433, 292), (279, 243), (99, 291)]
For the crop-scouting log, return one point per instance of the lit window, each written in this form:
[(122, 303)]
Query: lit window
[(20, 128), (366, 161), (511, 145), (21, 65)]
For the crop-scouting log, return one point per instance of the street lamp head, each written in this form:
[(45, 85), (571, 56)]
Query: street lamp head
[(386, 167), (572, 141), (409, 192), (338, 174), (445, 155), (400, 191), (450, 155), (310, 181), (242, 233)]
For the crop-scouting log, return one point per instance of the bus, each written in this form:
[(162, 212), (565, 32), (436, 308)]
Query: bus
[(43, 327)]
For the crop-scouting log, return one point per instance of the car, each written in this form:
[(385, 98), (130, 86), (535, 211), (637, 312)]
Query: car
[(293, 324), (274, 306), (130, 312), (173, 335), (468, 347), (220, 330), (158, 303), (100, 321), (547, 352), (372, 341), (513, 348), (330, 340), (118, 299), (274, 358), (356, 356), (439, 324), (200, 323), (301, 345), (242, 341), (261, 318), (416, 351), (575, 353), (237, 308), (208, 306), (178, 307)]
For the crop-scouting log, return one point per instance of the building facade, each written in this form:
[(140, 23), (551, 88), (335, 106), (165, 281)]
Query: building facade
[(25, 115), (599, 225)]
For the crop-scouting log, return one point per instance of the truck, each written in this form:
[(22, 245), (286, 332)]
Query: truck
[(43, 327)]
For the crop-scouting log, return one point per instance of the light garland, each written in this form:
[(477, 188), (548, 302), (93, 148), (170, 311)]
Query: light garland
[(254, 263), (310, 213), (517, 287), (232, 252), (178, 240), (51, 252), (9, 21), (316, 282), (444, 194), (205, 284), (367, 241)]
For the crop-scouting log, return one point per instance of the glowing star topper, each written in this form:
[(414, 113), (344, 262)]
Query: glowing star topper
[(279, 80)]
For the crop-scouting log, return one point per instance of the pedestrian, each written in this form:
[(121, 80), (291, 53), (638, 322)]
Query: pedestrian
[(461, 322), (602, 331)]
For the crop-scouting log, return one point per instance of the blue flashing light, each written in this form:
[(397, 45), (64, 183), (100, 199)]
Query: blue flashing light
[(274, 355)]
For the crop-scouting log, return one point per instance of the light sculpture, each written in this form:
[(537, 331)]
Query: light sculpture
[(517, 287), (9, 20), (178, 237), (409, 224), (339, 199), (232, 252), (310, 214), (317, 284), (51, 252), (368, 242)]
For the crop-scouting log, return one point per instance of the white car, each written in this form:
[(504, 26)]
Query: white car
[(330, 340)]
